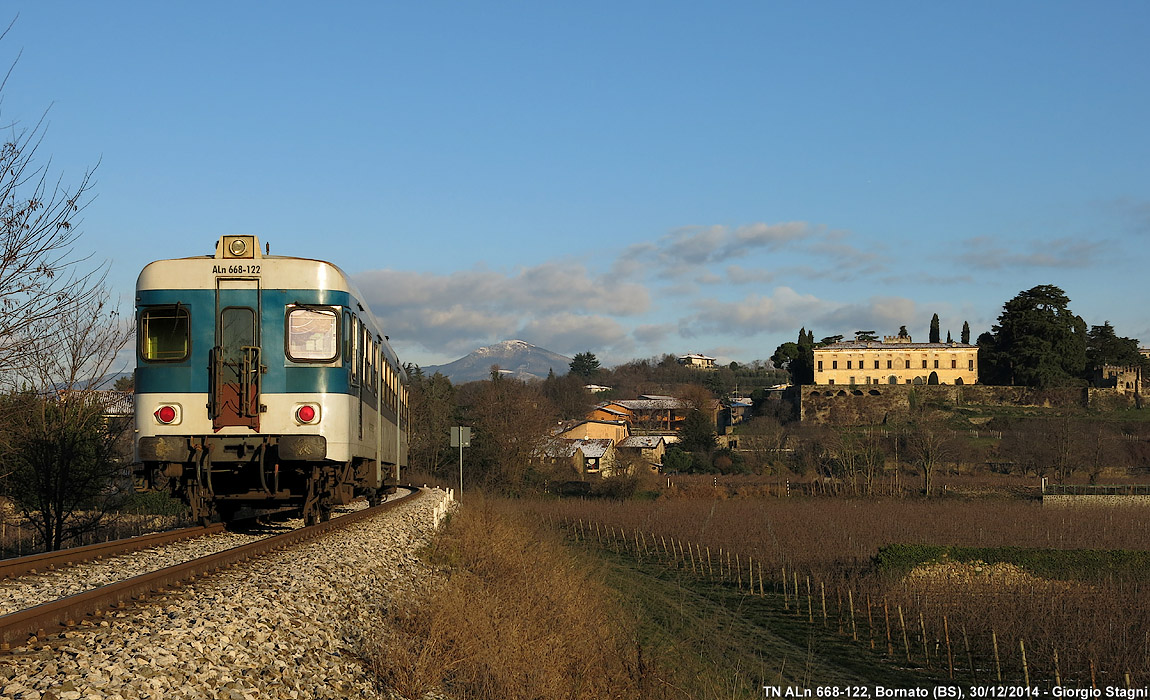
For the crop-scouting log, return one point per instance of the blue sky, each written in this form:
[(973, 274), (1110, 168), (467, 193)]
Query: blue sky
[(626, 178)]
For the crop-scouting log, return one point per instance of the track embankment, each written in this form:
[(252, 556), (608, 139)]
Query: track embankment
[(281, 624)]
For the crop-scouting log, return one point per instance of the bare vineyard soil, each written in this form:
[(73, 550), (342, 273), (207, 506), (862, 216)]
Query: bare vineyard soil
[(727, 643), (1046, 625)]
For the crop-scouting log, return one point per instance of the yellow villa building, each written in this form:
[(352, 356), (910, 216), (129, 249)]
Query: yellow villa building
[(896, 360)]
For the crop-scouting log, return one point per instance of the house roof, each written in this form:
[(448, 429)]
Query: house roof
[(642, 441), (560, 447), (593, 448), (112, 403), (606, 408), (650, 404), (568, 426)]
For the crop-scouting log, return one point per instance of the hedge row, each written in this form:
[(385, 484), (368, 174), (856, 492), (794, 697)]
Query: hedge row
[(1059, 564)]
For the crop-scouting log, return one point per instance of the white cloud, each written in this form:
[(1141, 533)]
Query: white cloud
[(785, 310), (690, 252), (989, 254), (563, 306), (568, 333), (883, 314), (737, 274), (456, 312), (653, 334)]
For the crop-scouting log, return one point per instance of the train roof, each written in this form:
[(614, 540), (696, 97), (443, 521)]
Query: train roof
[(240, 257), (273, 271)]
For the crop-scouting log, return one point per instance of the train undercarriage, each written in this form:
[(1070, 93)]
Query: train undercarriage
[(218, 476)]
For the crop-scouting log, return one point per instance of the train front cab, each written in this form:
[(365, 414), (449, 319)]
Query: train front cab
[(253, 394)]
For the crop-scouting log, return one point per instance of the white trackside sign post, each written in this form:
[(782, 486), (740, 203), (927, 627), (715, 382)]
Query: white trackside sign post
[(461, 437)]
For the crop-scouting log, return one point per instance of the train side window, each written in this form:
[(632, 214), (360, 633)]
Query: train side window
[(366, 340), (348, 336), (378, 357), (364, 355), (165, 333), (312, 335), (356, 335)]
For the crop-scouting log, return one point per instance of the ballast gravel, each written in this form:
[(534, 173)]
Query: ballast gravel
[(27, 591), (285, 625)]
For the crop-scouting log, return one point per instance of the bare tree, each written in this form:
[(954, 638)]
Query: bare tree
[(65, 453), (432, 406), (928, 445), (511, 421), (41, 277)]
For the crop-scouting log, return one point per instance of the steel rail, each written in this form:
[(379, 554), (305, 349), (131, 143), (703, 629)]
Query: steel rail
[(46, 618), (47, 561)]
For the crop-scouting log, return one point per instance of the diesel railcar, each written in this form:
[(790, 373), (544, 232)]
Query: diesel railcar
[(263, 382)]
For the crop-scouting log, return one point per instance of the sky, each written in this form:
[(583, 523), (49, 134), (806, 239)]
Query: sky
[(625, 178)]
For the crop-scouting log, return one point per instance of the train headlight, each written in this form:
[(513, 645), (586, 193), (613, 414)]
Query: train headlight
[(168, 414), (307, 414)]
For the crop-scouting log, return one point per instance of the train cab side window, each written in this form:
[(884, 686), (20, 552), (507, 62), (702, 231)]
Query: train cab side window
[(312, 335), (165, 334)]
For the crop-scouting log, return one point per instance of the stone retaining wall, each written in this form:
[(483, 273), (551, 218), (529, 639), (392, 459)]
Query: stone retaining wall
[(874, 403)]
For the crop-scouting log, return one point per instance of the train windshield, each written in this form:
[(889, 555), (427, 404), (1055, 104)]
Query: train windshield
[(164, 334), (312, 335)]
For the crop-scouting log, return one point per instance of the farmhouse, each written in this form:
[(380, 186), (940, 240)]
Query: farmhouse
[(697, 361)]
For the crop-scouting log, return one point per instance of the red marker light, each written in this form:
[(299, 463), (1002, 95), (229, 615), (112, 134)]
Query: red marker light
[(165, 414), (305, 414)]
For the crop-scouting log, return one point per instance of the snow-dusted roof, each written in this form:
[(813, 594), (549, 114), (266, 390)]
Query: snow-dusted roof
[(592, 448), (651, 404), (642, 441)]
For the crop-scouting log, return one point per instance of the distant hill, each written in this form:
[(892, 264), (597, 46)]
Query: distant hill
[(517, 358)]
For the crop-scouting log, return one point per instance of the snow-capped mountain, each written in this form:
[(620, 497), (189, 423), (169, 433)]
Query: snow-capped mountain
[(516, 358)]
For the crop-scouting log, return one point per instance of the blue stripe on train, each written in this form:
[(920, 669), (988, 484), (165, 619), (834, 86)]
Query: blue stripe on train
[(191, 375)]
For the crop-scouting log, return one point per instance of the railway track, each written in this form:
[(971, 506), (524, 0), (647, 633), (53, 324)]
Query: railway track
[(50, 561), (55, 616)]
